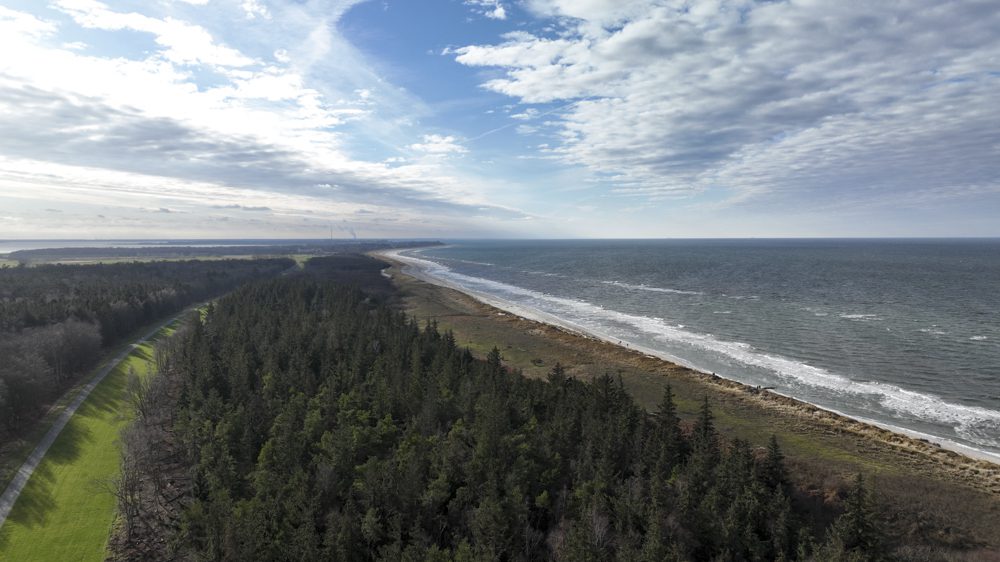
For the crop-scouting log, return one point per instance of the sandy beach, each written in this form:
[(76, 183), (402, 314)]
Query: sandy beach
[(822, 445)]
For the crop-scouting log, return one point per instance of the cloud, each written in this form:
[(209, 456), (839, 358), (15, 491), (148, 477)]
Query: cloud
[(600, 12), (526, 115), (184, 43), (782, 102), (23, 26), (196, 124), (255, 9), (492, 9), (244, 208), (439, 145)]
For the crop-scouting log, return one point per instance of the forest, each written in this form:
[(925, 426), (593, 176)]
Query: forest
[(304, 419), (56, 321), (307, 247)]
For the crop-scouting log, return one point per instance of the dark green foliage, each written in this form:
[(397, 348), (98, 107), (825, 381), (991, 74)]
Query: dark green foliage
[(322, 426), (353, 269), (55, 319), (118, 297), (856, 535)]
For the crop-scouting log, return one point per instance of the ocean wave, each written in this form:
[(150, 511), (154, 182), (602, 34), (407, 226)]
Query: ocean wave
[(979, 338), (977, 425), (642, 287), (485, 263), (542, 273), (861, 317)]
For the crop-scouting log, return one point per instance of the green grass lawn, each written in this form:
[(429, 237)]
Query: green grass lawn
[(63, 513)]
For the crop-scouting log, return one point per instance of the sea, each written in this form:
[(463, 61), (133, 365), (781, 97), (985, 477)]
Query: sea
[(901, 333)]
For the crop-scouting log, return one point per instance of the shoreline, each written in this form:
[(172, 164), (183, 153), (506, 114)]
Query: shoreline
[(984, 467)]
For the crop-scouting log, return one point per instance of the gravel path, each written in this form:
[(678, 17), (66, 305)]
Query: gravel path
[(13, 491)]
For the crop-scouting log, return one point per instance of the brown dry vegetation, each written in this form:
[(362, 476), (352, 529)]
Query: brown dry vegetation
[(945, 504)]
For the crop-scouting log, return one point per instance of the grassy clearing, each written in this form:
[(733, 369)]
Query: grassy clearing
[(4, 262), (63, 513), (301, 259)]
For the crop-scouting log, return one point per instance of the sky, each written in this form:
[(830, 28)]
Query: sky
[(498, 118)]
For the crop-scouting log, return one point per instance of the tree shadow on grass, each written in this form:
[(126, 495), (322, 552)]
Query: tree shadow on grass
[(108, 397), (144, 352), (36, 499)]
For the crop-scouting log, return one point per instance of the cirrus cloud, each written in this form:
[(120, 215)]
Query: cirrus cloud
[(197, 125)]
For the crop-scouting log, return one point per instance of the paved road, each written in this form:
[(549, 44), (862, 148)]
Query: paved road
[(10, 495)]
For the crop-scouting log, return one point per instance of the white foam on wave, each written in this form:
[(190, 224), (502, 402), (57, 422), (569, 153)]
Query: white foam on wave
[(486, 263), (861, 317), (542, 273), (979, 426), (979, 338), (643, 287), (934, 331)]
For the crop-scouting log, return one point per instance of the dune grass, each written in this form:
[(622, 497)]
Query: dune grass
[(65, 513)]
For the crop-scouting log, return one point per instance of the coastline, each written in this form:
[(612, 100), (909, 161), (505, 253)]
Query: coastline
[(973, 467)]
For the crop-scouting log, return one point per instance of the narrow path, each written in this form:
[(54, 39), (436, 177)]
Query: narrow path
[(13, 491)]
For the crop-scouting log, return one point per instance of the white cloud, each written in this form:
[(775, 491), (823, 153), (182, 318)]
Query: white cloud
[(255, 9), (196, 124), (439, 145), (796, 100), (492, 9), (20, 25), (526, 115), (184, 43), (602, 12)]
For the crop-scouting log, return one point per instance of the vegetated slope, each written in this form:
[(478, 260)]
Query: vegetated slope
[(55, 320), (313, 423)]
